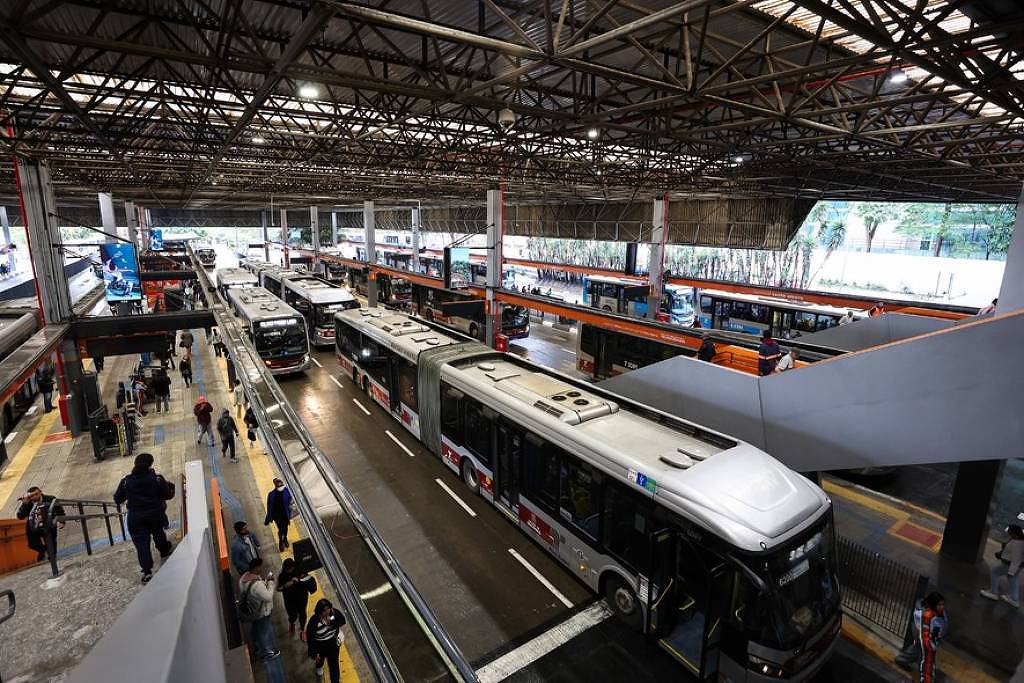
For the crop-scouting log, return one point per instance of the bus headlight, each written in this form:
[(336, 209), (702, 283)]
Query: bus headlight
[(766, 668)]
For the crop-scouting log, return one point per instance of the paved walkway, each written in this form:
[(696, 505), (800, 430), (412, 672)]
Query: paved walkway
[(43, 454), (985, 638)]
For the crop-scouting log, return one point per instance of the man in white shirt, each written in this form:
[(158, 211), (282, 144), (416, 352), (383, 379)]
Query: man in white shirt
[(787, 362), (846, 319)]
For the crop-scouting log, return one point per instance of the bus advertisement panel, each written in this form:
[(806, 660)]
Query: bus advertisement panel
[(120, 272)]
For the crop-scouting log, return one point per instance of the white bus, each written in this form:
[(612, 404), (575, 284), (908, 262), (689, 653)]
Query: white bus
[(271, 279), (714, 549), (629, 297), (754, 314), (255, 265), (318, 301), (277, 331), (228, 278)]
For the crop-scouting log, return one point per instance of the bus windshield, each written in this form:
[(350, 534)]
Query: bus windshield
[(280, 338), (802, 590), (514, 316), (680, 304), (325, 312)]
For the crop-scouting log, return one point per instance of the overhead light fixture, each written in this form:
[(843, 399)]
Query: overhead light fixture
[(738, 160), (258, 140), (898, 76), (592, 133), (309, 91)]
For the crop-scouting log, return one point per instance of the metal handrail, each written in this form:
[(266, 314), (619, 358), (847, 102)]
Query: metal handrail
[(456, 662), (82, 518), (11, 606)]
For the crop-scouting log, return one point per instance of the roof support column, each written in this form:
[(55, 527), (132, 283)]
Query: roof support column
[(12, 255), (107, 214), (369, 235), (39, 211), (970, 509), (495, 232), (414, 264), (266, 237), (656, 262), (286, 260), (334, 228), (1011, 293), (132, 218), (314, 229)]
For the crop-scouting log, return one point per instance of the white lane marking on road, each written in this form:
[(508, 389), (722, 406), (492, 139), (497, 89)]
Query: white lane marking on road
[(361, 406), (32, 410), (532, 650), (315, 362), (400, 444), (462, 503), (335, 380), (10, 437), (540, 577)]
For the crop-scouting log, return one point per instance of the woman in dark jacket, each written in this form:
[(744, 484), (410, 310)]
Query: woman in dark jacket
[(251, 423), (324, 638), (146, 493), (295, 587)]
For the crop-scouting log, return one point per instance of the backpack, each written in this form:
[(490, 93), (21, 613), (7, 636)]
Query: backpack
[(247, 611)]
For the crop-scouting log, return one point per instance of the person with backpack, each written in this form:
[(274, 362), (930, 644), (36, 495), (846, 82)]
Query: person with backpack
[(227, 429), (146, 494), (279, 508), (251, 424), (295, 586), (204, 416), (185, 368), (255, 603), (186, 341), (324, 638), (162, 390), (1010, 557)]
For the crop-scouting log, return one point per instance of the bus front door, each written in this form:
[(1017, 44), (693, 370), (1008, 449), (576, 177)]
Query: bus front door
[(506, 469)]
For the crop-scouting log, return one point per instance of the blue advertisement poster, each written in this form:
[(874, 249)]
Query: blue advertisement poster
[(156, 239), (120, 272)]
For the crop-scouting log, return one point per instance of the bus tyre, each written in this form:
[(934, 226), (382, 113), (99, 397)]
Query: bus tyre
[(474, 331), (365, 384), (469, 476), (355, 377), (606, 308), (622, 599)]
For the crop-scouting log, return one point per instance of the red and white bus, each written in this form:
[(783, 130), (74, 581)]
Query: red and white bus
[(711, 547)]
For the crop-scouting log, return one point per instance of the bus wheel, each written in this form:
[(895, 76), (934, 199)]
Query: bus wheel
[(429, 315), (365, 384), (469, 476), (474, 330), (355, 377), (623, 601), (606, 308)]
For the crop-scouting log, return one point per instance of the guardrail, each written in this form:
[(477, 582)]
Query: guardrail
[(11, 607), (342, 534), (878, 590), (82, 518)]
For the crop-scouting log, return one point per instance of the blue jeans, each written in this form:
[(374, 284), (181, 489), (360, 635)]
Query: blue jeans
[(998, 572), (263, 636), (48, 400)]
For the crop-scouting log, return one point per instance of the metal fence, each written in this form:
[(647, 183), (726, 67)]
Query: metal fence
[(877, 589)]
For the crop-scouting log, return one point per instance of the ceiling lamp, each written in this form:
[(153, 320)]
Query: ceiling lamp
[(593, 133), (309, 91), (258, 140), (898, 76), (737, 160)]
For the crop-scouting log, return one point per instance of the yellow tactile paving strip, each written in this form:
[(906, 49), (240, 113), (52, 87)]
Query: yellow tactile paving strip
[(12, 474), (264, 474)]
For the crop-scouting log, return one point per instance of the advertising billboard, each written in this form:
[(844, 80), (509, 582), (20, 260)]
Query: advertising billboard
[(457, 272), (156, 239), (120, 272)]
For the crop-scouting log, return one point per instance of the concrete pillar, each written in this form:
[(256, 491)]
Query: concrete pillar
[(414, 264), (71, 385), (314, 222), (970, 509), (495, 232), (266, 237), (659, 233), (287, 262), (107, 214), (145, 224), (334, 228), (39, 208), (1011, 293), (369, 231), (12, 256), (132, 220)]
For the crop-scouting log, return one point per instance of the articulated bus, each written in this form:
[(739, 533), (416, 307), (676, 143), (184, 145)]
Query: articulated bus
[(207, 257), (255, 265), (717, 551), (277, 331), (753, 314), (272, 279), (227, 278), (629, 297), (317, 300)]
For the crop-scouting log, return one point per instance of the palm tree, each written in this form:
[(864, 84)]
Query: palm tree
[(831, 236)]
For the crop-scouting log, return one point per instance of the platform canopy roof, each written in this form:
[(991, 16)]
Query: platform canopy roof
[(225, 103)]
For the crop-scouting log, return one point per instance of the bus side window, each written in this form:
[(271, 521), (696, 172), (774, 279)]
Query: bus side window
[(407, 384), (539, 478), (477, 430), (580, 500), (707, 305), (625, 525), (450, 402)]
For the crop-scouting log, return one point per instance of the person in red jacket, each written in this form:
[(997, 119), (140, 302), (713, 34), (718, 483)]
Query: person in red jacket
[(204, 416), (930, 622)]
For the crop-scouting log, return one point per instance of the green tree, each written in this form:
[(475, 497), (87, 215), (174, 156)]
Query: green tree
[(1000, 219), (930, 220), (874, 214)]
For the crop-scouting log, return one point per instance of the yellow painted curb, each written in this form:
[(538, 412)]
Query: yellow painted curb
[(12, 474)]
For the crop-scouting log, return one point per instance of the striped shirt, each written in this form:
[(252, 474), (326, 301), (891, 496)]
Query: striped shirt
[(324, 632)]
